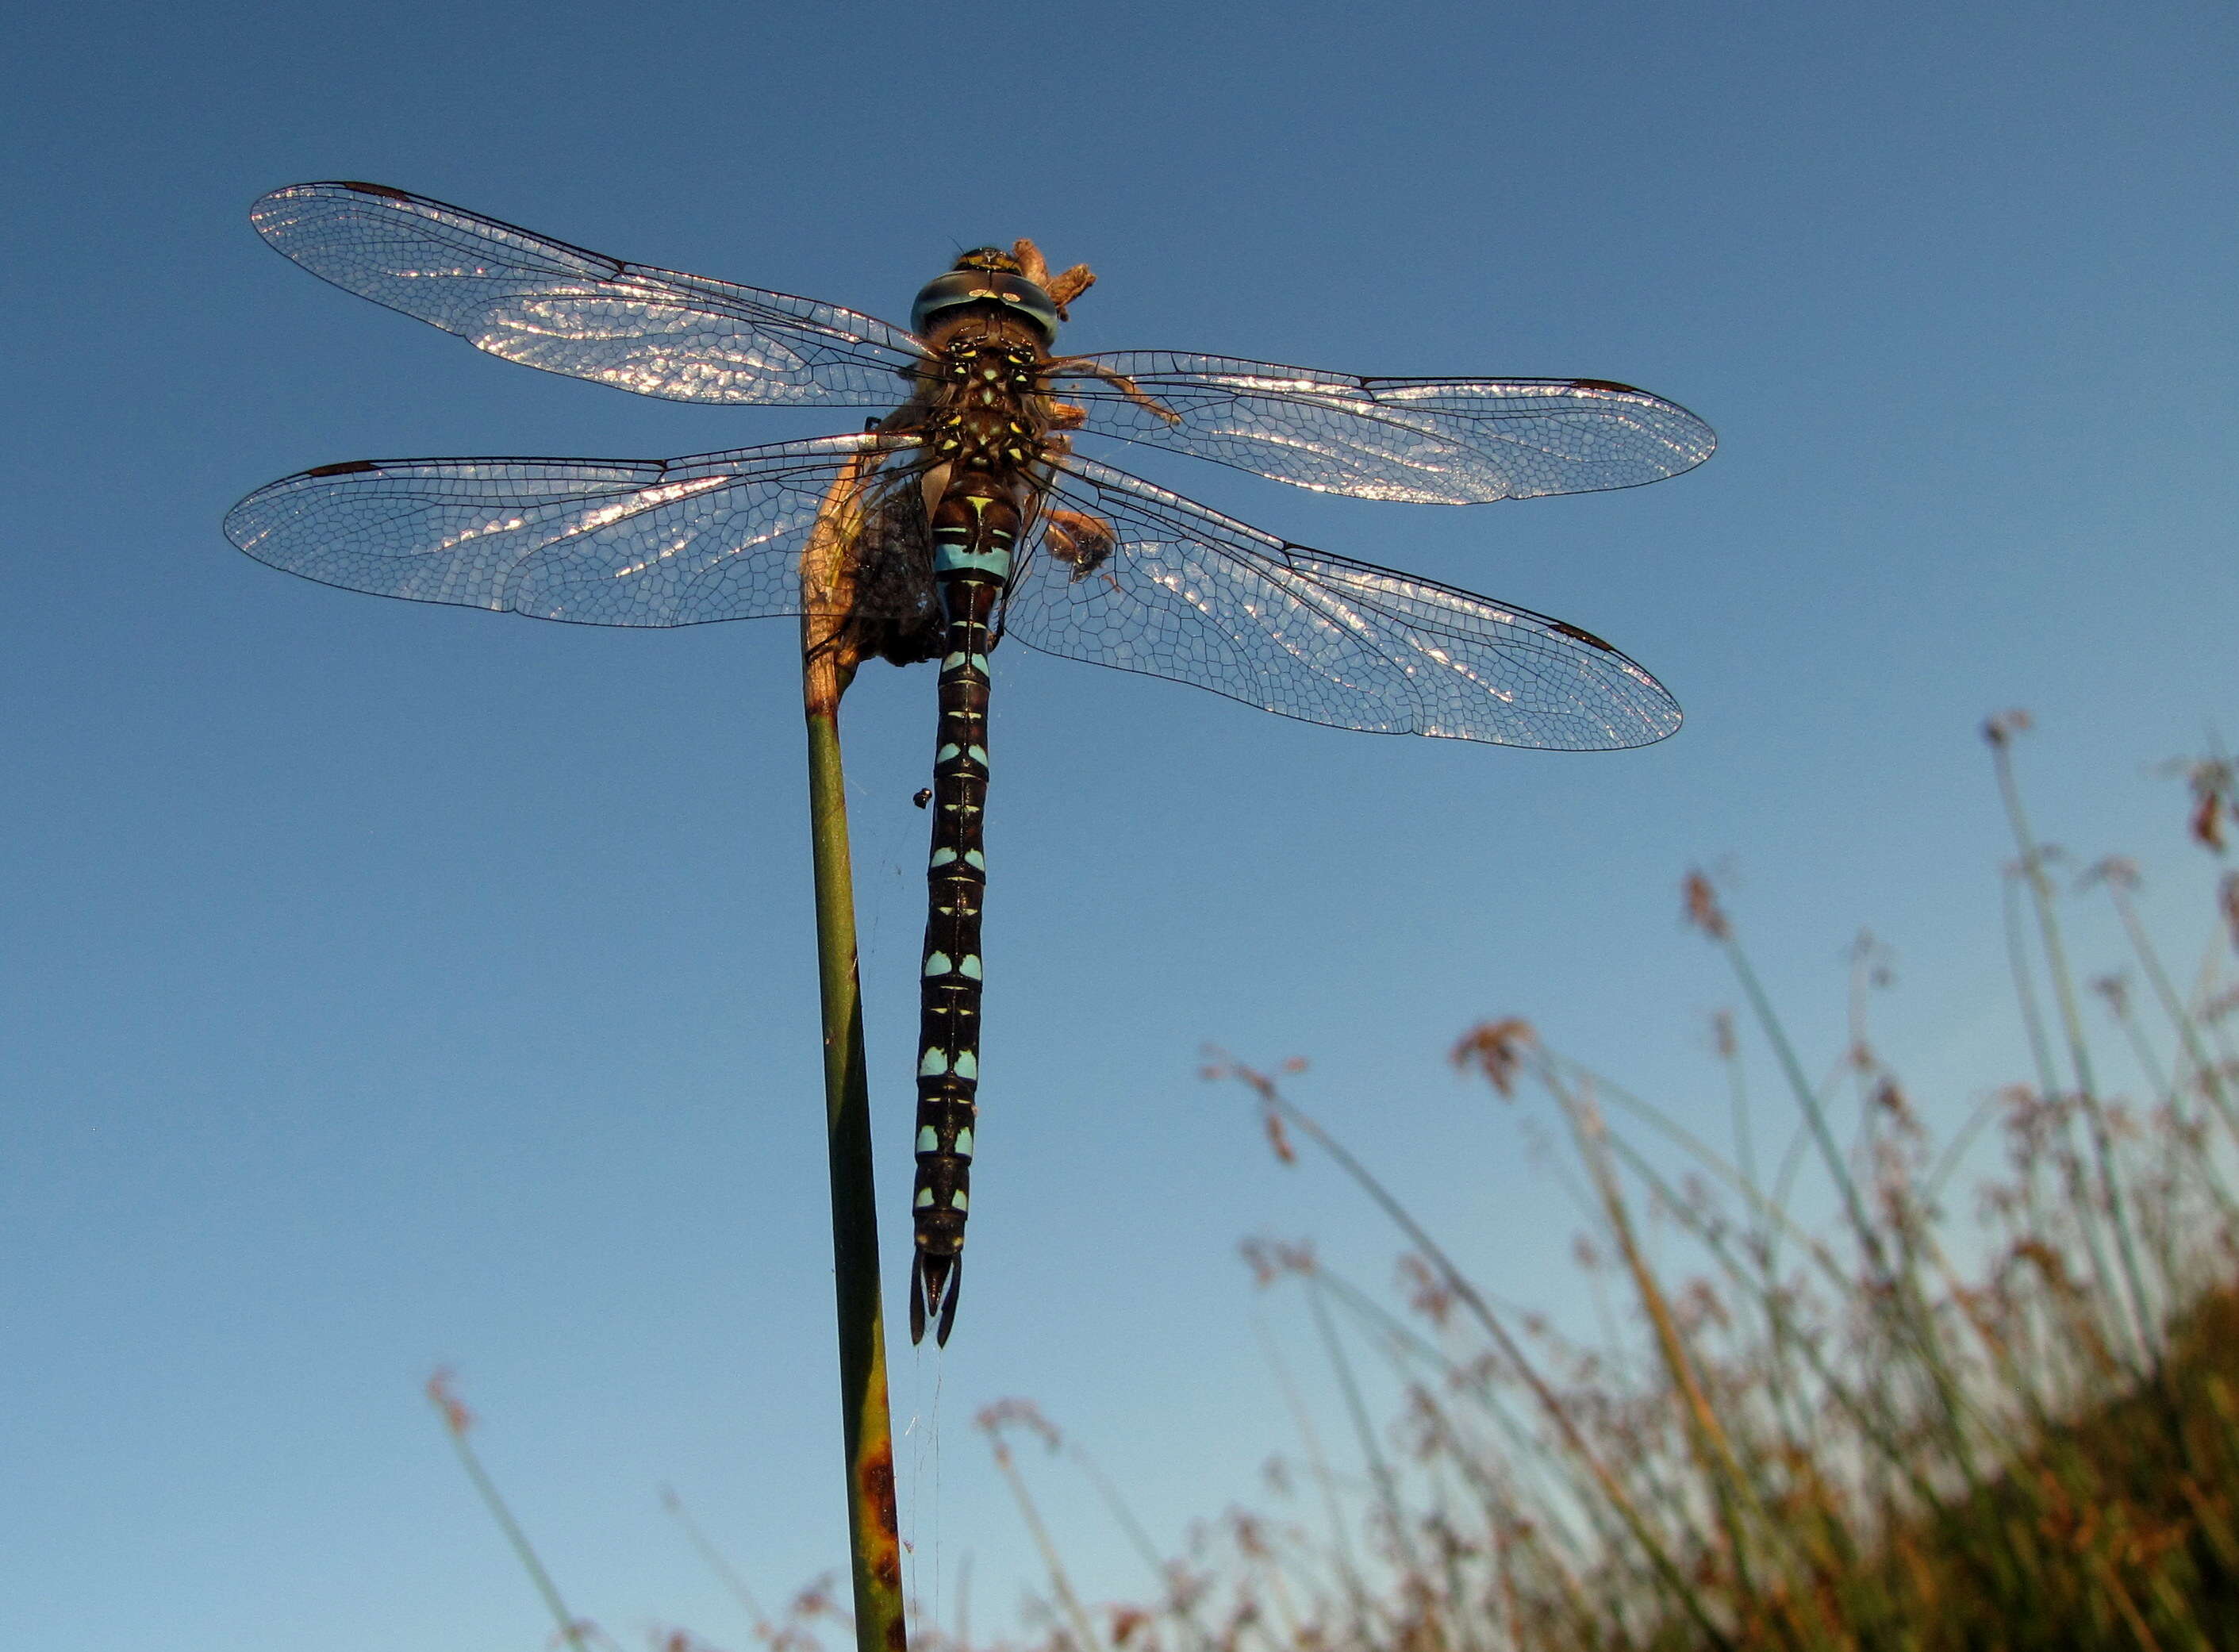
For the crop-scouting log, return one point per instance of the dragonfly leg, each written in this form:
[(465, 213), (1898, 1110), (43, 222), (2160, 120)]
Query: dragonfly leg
[(1062, 290), (1080, 540), (1118, 381)]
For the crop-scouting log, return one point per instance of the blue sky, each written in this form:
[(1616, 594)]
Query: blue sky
[(387, 986)]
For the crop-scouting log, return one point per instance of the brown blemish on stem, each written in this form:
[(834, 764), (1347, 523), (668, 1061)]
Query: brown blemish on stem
[(875, 1488)]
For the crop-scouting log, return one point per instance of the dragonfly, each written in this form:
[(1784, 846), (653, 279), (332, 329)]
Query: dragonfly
[(961, 517)]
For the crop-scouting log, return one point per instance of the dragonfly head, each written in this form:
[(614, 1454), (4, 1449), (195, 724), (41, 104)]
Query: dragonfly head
[(989, 278)]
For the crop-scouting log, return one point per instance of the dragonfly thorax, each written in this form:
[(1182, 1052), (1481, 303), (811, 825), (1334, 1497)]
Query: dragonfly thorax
[(986, 414), (984, 368)]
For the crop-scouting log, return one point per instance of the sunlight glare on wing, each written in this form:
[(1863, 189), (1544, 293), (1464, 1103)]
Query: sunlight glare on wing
[(679, 543), (646, 498), (510, 525), (684, 542)]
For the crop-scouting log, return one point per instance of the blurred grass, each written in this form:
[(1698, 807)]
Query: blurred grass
[(1907, 1433), (1892, 1435)]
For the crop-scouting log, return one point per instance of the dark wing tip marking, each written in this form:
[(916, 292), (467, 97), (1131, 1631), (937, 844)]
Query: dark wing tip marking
[(1610, 384), (661, 333), (348, 467), (1198, 597), (616, 268), (1578, 636)]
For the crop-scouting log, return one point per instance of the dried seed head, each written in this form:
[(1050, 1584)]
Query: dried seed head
[(456, 1417), (2002, 727), (1278, 1138), (2208, 819), (1428, 1293), (1495, 1049), (2215, 795), (1701, 907), (1024, 1414), (2116, 872), (1256, 1258)]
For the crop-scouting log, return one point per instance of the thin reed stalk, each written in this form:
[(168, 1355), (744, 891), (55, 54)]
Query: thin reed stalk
[(1176, 1601), (765, 1631), (828, 661), (1704, 911), (573, 1631), (2121, 881), (992, 1420), (1714, 1451), (1380, 1471), (873, 1534), (1999, 732), (1683, 1590), (1317, 1464)]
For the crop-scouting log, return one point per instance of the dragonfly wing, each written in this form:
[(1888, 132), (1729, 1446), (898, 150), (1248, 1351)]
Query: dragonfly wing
[(598, 542), (548, 305), (1433, 442), (1187, 593)]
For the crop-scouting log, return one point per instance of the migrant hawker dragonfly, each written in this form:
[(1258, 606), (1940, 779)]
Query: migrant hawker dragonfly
[(960, 518)]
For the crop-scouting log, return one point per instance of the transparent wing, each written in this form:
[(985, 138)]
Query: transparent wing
[(548, 305), (598, 542), (1187, 593), (1433, 442)]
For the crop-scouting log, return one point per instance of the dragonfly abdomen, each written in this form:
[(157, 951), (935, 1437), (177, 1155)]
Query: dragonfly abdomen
[(975, 528)]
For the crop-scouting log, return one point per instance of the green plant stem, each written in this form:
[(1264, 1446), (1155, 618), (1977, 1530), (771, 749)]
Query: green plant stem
[(1076, 1615), (1807, 1101), (1403, 1343), (764, 1630), (875, 1540), (1348, 1564), (1380, 1471), (1715, 1452), (2047, 1079), (1786, 1337), (571, 1631), (2063, 992), (1910, 1318), (1178, 1601), (1689, 1598), (2206, 1073)]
